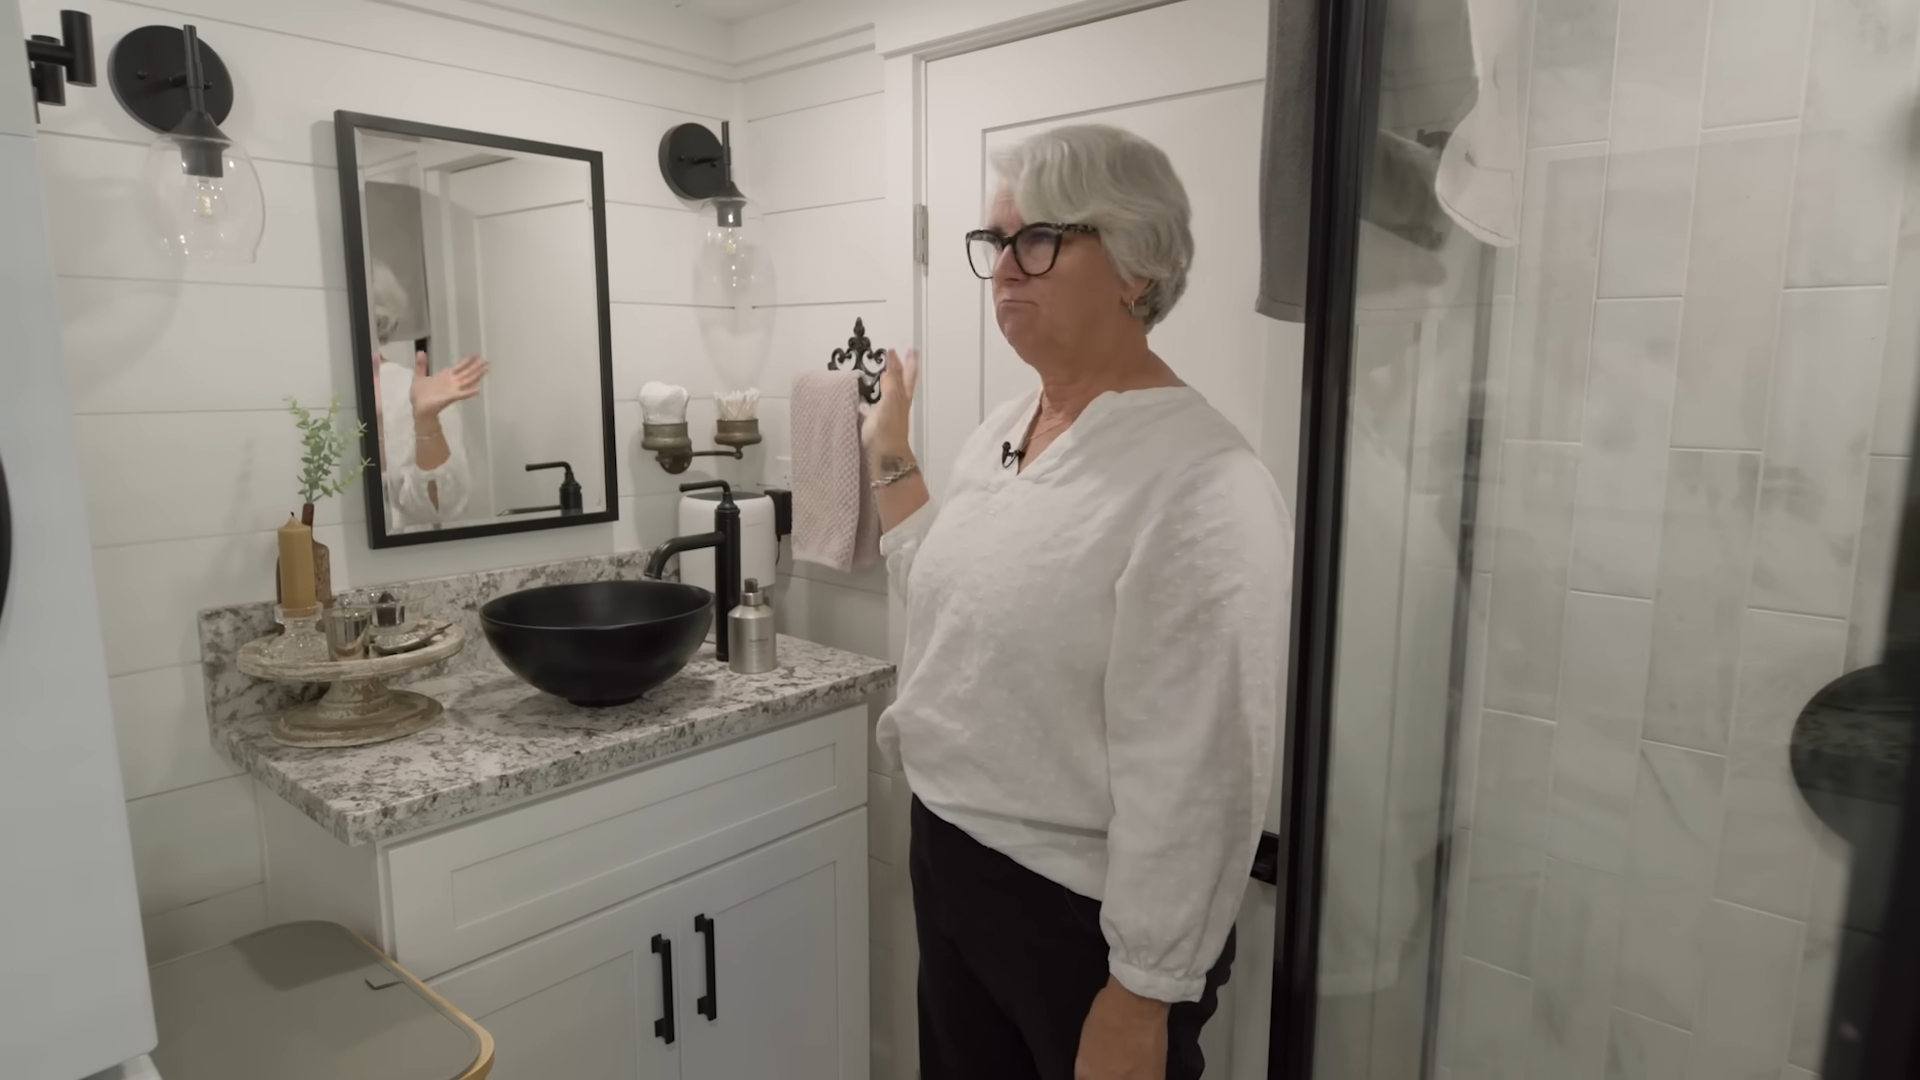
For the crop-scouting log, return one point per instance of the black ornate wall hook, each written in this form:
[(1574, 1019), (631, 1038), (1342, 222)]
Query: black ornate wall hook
[(867, 360)]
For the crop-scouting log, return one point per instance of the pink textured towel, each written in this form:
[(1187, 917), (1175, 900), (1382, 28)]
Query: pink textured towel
[(835, 522)]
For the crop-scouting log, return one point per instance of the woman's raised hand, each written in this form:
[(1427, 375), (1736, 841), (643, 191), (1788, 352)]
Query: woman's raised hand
[(433, 392), (887, 428)]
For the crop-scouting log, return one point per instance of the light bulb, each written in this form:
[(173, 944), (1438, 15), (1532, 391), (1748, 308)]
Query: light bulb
[(205, 197), (727, 275), (205, 192)]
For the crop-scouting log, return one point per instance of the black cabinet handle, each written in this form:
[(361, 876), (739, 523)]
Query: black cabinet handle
[(663, 1027), (709, 1006)]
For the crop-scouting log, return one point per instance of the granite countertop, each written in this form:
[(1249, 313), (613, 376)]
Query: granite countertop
[(501, 741)]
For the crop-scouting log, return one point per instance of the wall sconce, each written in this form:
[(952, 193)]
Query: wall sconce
[(204, 191), (699, 168), (58, 61)]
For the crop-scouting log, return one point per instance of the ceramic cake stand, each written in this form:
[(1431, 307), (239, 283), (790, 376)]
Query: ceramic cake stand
[(359, 707)]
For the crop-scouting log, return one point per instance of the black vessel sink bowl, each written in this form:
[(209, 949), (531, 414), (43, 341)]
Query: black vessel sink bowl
[(599, 643)]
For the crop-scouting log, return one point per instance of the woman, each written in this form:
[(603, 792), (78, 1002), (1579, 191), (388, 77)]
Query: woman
[(423, 461), (1095, 648)]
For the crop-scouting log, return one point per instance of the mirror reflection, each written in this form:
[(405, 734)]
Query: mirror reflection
[(484, 346)]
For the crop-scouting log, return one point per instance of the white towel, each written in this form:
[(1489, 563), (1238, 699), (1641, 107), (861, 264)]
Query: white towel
[(1479, 181), (835, 522)]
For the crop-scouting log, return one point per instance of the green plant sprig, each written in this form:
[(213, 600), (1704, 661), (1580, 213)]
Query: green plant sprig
[(325, 447)]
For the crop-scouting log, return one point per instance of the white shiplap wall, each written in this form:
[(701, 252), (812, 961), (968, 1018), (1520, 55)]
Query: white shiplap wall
[(813, 145), (178, 373)]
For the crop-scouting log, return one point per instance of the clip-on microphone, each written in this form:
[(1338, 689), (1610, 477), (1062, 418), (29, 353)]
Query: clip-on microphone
[(1009, 456)]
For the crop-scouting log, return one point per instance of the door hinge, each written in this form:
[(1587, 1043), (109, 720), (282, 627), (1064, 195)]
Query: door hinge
[(920, 233)]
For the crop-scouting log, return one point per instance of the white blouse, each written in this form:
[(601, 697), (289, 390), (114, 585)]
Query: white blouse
[(1095, 653), (410, 504)]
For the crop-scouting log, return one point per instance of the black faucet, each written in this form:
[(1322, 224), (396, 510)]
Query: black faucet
[(725, 542), (571, 500)]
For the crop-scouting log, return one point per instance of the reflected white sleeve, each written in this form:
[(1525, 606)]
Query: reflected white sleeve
[(407, 491)]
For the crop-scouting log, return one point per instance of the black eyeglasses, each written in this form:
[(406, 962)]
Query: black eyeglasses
[(1035, 247)]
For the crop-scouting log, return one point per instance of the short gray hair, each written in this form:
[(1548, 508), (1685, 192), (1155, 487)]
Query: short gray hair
[(1119, 183), (389, 302)]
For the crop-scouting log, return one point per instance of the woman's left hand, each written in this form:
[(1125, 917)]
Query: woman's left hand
[(433, 393), (1124, 1038)]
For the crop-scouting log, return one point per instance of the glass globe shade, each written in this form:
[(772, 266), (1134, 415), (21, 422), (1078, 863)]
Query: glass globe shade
[(205, 197)]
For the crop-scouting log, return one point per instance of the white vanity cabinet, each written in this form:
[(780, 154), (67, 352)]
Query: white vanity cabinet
[(553, 921), (782, 993)]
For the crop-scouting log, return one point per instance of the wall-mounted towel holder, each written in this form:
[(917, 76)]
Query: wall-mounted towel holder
[(865, 359)]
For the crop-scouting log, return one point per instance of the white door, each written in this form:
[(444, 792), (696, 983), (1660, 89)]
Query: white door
[(1191, 78), (582, 1001), (785, 993)]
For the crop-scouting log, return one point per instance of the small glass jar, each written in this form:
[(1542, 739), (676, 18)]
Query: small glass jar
[(301, 640)]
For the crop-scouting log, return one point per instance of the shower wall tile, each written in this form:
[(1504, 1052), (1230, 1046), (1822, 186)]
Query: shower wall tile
[(1846, 204), (1873, 569), (1756, 67), (1659, 61), (1573, 964), (1748, 996), (1736, 253), (1572, 71), (1503, 891), (1510, 802), (1643, 237), (1596, 759), (1676, 826), (1643, 1049), (1795, 1072), (1900, 377), (1495, 1015), (1623, 453), (1814, 481), (1530, 576), (1698, 604), (1768, 834), (1553, 309), (1827, 904), (1676, 814)]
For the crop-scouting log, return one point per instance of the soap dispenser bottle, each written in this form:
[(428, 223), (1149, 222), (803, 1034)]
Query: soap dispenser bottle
[(750, 631)]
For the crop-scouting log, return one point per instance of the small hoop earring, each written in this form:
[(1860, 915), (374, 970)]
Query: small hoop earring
[(1138, 309)]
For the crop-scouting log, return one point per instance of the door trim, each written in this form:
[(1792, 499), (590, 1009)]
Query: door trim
[(1346, 81)]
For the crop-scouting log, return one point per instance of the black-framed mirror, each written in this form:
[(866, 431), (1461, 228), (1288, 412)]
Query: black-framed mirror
[(477, 280)]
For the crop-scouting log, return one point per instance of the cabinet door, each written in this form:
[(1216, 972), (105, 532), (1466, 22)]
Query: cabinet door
[(580, 1002), (785, 994)]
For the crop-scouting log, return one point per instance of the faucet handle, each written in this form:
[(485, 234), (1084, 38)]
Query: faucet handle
[(726, 489)]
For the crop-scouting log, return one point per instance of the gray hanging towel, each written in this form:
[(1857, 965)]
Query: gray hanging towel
[(1286, 159)]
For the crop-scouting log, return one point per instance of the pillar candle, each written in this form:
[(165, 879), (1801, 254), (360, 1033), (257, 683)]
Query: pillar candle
[(296, 565)]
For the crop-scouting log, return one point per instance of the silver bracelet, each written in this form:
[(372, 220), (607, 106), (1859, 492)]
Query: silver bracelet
[(897, 475)]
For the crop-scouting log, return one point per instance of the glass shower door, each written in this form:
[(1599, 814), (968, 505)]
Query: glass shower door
[(1616, 739)]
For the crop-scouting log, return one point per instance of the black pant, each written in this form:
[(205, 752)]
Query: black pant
[(1010, 963)]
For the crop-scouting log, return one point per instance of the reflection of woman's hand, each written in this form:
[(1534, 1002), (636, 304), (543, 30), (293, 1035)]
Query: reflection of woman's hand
[(888, 423), (433, 392)]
